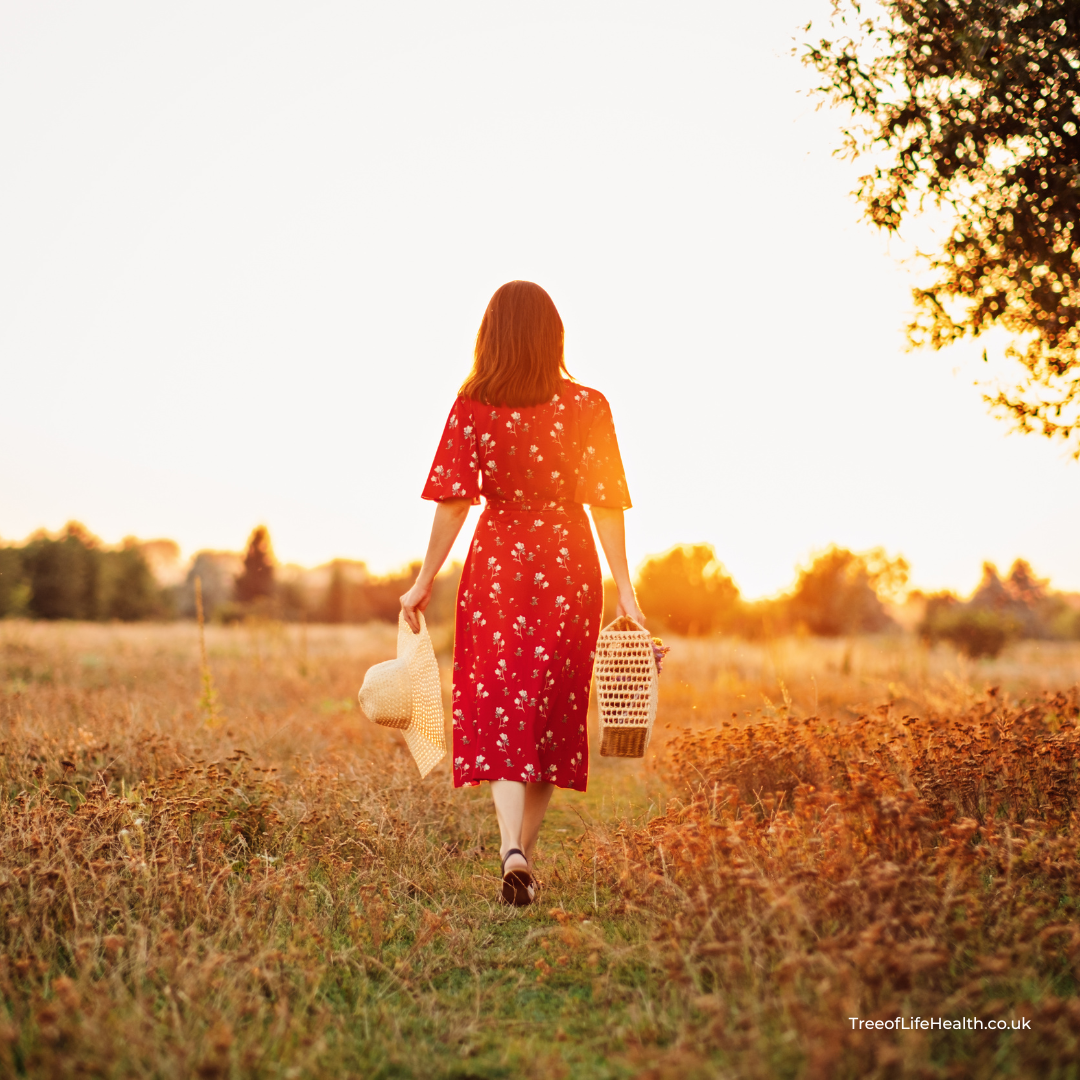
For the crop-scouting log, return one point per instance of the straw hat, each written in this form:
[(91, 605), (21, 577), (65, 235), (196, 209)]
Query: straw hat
[(406, 694)]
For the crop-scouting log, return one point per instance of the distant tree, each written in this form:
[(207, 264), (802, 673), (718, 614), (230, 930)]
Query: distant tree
[(256, 581), (992, 593), (973, 105), (345, 599), (163, 558), (1027, 607), (355, 596), (688, 590), (14, 585), (126, 587), (217, 570), (73, 576), (443, 604), (63, 573), (381, 596), (1024, 587), (839, 592), (336, 607)]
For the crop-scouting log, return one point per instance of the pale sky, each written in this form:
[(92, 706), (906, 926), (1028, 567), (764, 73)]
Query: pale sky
[(245, 247)]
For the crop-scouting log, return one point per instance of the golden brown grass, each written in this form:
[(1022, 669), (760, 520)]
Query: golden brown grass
[(266, 889)]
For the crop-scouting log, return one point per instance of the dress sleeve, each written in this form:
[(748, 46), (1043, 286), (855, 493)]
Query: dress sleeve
[(600, 477), (455, 472)]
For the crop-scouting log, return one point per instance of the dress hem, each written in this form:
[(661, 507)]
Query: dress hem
[(518, 780)]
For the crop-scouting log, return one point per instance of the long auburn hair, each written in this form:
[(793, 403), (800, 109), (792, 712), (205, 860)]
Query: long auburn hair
[(519, 349)]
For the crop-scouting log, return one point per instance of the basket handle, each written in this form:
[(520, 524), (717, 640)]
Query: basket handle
[(634, 621)]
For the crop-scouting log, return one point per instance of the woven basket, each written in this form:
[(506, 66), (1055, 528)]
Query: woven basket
[(626, 689)]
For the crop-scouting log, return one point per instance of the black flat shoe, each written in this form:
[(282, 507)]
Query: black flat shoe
[(518, 886)]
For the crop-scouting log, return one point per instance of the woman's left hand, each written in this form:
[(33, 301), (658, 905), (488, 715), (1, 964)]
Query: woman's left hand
[(631, 609), (415, 600)]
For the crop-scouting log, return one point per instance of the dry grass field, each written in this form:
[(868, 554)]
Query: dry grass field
[(255, 884)]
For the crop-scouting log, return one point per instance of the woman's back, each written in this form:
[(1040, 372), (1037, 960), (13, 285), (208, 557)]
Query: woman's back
[(563, 450)]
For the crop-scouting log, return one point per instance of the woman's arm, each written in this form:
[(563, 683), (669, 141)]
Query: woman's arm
[(611, 529), (450, 515)]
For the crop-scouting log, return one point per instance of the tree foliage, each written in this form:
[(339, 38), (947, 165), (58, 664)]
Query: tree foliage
[(999, 611), (972, 104), (354, 595), (73, 576), (14, 586), (688, 590), (839, 592)]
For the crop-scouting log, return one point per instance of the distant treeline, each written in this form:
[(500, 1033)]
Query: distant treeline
[(73, 575), (848, 593), (999, 611), (686, 590)]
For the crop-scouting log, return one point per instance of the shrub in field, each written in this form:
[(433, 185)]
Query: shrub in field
[(891, 867), (992, 761), (976, 632)]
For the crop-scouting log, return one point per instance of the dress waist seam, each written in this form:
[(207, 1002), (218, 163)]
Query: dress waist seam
[(530, 505)]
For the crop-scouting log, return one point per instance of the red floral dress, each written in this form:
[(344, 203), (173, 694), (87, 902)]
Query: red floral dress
[(531, 594)]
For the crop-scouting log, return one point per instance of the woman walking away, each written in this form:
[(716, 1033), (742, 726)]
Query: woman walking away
[(537, 446)]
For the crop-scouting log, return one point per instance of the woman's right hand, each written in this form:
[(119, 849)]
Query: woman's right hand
[(450, 515), (415, 600)]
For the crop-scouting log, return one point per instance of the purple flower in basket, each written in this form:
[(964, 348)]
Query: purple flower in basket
[(659, 651)]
